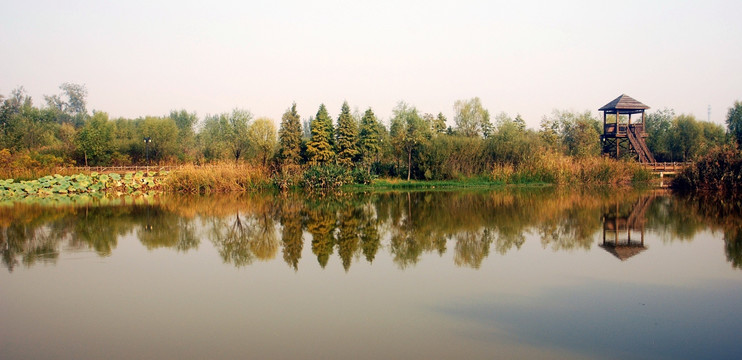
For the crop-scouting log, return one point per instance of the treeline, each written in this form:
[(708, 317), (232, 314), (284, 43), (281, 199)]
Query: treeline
[(411, 145)]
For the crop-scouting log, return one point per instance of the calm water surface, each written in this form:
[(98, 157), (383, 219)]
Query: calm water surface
[(535, 273)]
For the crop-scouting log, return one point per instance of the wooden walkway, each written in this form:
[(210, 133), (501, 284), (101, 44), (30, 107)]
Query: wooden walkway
[(660, 168), (666, 168), (123, 169)]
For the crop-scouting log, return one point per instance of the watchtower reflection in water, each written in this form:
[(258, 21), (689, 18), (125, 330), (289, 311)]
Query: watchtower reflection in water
[(620, 221)]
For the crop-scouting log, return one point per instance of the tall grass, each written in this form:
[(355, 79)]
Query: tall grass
[(554, 168), (218, 178)]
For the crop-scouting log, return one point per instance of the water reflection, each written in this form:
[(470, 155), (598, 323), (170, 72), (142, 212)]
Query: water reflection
[(356, 227), (620, 221)]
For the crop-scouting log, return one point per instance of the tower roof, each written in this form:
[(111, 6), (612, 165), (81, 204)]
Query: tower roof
[(624, 102)]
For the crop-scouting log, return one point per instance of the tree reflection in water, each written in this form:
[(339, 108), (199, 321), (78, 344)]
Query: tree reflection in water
[(291, 232), (164, 229), (244, 229)]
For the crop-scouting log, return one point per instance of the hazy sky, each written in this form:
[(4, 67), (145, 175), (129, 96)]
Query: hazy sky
[(141, 58)]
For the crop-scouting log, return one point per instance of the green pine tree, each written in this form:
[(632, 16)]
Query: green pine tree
[(347, 137), (320, 145), (370, 138), (290, 137)]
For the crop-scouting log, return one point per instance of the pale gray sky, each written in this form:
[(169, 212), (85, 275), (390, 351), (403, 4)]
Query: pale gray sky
[(147, 57)]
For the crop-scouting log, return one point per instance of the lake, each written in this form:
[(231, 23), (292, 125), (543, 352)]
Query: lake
[(514, 273)]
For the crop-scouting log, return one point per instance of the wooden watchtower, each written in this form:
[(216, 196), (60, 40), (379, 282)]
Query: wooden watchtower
[(620, 134)]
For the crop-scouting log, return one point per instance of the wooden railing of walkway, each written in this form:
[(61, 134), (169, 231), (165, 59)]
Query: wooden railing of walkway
[(113, 169), (124, 169), (655, 167), (666, 167)]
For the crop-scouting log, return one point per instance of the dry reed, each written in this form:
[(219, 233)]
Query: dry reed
[(218, 178)]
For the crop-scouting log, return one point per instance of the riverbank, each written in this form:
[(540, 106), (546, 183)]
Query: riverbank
[(230, 178)]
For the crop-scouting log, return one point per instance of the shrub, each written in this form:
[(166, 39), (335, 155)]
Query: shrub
[(361, 176), (289, 176), (326, 177), (719, 171)]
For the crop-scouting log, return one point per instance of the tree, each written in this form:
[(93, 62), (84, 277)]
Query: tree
[(76, 94), (10, 112), (262, 135), (211, 137), (163, 134), (185, 122), (347, 137), (226, 133), (511, 142), (71, 104), (290, 137), (658, 126), (686, 137), (576, 134), (581, 134), (24, 126), (471, 118), (369, 140), (408, 132), (95, 139), (320, 145), (734, 122), (439, 124), (713, 136), (237, 132), (519, 122)]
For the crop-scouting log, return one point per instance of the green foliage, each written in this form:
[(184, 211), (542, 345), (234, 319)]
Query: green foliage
[(163, 133), (23, 126), (577, 134), (347, 137), (185, 122), (734, 122), (451, 157), (438, 125), (290, 137), (327, 177), (361, 176), (320, 146), (680, 138), (686, 137), (262, 139), (370, 139), (236, 135), (471, 118), (511, 143), (95, 139), (225, 135), (408, 132), (658, 125), (69, 106)]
